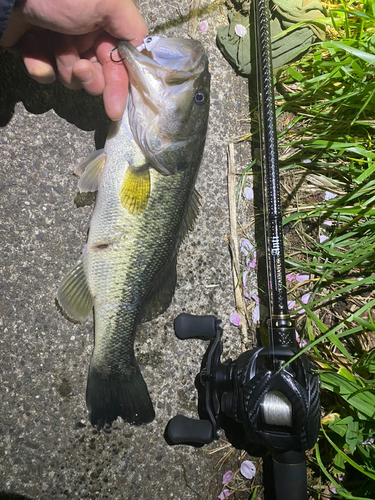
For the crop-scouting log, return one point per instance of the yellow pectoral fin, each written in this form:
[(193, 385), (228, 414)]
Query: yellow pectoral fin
[(135, 190)]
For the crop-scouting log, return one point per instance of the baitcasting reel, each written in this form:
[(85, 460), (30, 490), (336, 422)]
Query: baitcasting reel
[(278, 408)]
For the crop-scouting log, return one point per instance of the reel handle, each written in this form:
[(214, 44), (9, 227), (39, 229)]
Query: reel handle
[(184, 430), (290, 478), (190, 326)]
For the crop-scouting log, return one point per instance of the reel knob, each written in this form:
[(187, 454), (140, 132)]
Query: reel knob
[(189, 326), (184, 430)]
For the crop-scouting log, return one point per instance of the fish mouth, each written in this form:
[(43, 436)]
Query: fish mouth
[(166, 61)]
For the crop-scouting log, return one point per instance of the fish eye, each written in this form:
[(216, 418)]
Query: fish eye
[(199, 97)]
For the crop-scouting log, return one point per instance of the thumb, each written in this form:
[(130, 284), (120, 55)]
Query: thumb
[(123, 21)]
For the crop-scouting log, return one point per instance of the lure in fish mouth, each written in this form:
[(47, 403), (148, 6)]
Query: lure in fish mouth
[(146, 203)]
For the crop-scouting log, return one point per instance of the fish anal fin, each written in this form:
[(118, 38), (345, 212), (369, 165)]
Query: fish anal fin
[(73, 295), (160, 299), (90, 170), (135, 190)]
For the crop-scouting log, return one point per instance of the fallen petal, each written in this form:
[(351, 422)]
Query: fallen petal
[(240, 30), (203, 26), (290, 277), (246, 246), (253, 264), (302, 277), (255, 315), (329, 196), (227, 477), (224, 494), (327, 223), (323, 238), (235, 319), (306, 298), (244, 277), (248, 193), (248, 469), (291, 304), (255, 299)]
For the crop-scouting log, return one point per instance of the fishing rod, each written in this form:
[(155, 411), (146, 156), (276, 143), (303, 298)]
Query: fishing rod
[(267, 393)]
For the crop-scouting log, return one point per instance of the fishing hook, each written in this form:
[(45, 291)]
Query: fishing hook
[(115, 48)]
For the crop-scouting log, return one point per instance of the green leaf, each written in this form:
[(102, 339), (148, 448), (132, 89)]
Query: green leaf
[(348, 459), (363, 402), (365, 56)]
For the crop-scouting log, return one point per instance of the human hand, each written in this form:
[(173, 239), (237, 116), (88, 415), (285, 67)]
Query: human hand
[(73, 39)]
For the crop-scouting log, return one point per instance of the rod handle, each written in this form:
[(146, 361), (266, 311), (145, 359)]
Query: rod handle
[(290, 477)]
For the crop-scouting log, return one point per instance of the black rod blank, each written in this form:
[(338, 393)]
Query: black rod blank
[(275, 234), (276, 246)]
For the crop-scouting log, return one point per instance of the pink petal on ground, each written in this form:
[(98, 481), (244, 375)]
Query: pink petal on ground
[(302, 277), (302, 343), (203, 26), (248, 469), (255, 315), (240, 30), (227, 477), (248, 193), (235, 319), (290, 277), (246, 246), (323, 238), (306, 298), (253, 264), (291, 304), (247, 295), (328, 223), (244, 277), (329, 196), (255, 299), (224, 494)]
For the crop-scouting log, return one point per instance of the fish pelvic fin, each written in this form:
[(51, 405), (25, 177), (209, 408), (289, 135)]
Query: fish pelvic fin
[(112, 395), (89, 171), (135, 190), (73, 294)]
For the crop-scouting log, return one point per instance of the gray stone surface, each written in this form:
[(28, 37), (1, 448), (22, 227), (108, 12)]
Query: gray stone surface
[(48, 449)]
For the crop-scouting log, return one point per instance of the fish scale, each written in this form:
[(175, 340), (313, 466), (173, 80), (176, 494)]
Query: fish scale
[(146, 203)]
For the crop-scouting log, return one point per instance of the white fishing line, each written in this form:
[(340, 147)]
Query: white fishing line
[(277, 409)]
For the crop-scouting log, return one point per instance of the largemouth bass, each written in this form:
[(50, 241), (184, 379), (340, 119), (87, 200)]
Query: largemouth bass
[(146, 203)]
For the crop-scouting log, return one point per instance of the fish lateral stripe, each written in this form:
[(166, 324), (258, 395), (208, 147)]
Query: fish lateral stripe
[(135, 190)]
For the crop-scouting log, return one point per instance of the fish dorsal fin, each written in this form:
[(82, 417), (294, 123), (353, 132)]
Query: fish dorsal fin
[(74, 295), (89, 171), (160, 298), (192, 213), (135, 190)]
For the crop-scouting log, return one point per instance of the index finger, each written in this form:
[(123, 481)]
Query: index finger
[(116, 79)]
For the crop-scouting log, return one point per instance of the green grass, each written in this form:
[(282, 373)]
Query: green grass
[(330, 93)]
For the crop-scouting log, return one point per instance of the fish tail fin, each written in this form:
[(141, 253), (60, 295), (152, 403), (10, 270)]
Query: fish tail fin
[(112, 395)]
